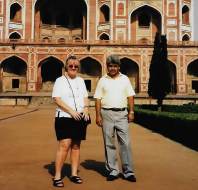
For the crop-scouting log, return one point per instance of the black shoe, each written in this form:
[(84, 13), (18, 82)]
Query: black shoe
[(58, 183), (130, 178), (112, 177), (76, 179)]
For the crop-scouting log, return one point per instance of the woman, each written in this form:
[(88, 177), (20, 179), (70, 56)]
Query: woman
[(71, 97)]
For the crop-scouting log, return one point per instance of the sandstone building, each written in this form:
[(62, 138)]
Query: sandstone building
[(36, 37)]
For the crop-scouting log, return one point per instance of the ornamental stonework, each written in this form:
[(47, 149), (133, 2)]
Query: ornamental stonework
[(189, 59), (19, 1), (158, 4), (136, 47)]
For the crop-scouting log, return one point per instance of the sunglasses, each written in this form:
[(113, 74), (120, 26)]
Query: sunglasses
[(73, 66), (113, 65)]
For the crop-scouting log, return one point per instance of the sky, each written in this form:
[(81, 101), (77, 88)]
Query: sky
[(195, 19)]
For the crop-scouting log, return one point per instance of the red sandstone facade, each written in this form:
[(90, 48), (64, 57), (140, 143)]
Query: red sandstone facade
[(36, 37)]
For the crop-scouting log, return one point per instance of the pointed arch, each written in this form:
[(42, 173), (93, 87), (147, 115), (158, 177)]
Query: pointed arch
[(148, 5), (173, 74), (149, 19), (47, 57), (61, 40), (16, 12), (104, 36), (185, 15), (192, 68), (17, 56), (46, 39), (13, 74), (49, 69), (192, 77), (186, 37), (90, 66), (15, 36), (15, 65), (91, 71), (131, 69), (104, 14)]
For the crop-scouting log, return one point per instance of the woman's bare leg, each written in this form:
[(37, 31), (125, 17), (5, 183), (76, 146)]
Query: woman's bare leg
[(75, 157), (61, 155)]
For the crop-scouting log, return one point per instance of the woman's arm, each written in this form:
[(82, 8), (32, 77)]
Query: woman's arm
[(86, 108), (67, 108)]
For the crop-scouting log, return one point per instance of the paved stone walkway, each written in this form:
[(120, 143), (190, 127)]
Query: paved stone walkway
[(28, 146)]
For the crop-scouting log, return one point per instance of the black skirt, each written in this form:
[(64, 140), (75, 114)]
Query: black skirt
[(69, 128)]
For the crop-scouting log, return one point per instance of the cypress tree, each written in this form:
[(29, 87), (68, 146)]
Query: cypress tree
[(159, 82)]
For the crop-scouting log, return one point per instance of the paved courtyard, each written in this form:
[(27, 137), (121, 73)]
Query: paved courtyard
[(28, 146)]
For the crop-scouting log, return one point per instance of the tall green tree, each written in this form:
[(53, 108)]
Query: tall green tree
[(160, 81)]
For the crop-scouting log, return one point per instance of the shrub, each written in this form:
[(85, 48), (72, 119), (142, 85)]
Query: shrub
[(179, 126)]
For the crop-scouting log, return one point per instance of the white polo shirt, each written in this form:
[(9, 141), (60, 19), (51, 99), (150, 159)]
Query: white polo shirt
[(62, 89), (113, 92)]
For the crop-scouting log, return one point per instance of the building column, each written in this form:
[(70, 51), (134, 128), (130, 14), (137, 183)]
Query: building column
[(144, 72), (181, 72)]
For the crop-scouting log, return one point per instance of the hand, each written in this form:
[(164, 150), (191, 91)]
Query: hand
[(99, 120), (85, 114), (75, 115), (130, 117)]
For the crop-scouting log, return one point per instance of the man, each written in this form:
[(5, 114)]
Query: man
[(114, 94)]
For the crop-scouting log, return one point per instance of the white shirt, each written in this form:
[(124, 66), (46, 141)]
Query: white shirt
[(113, 92), (62, 89)]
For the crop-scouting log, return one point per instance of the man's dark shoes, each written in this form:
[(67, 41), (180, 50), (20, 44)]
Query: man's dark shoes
[(112, 177), (130, 178)]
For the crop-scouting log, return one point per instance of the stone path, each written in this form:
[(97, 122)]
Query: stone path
[(28, 147)]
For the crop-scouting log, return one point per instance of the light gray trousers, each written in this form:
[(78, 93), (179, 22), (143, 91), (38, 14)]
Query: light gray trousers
[(116, 124)]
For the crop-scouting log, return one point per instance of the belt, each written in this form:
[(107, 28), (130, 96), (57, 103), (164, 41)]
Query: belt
[(115, 109)]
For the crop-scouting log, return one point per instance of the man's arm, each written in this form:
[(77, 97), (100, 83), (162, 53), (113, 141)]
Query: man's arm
[(131, 108), (98, 112)]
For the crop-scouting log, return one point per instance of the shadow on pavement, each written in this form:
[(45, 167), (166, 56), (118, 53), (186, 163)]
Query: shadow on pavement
[(95, 166), (66, 170)]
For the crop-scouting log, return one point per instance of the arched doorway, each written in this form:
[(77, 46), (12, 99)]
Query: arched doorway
[(62, 19), (185, 15), (173, 77), (91, 71), (14, 36), (192, 77), (144, 23), (185, 38), (104, 36), (13, 75), (104, 14), (48, 71), (131, 69), (16, 13)]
